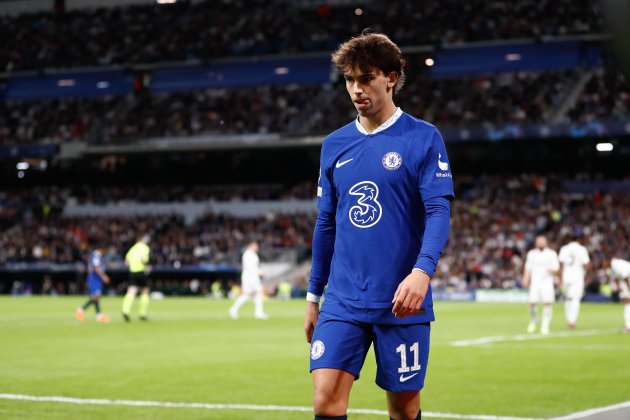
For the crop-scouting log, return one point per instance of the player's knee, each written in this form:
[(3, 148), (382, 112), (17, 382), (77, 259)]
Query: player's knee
[(329, 404), (405, 413)]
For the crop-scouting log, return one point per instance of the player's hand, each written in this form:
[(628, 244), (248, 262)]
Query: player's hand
[(310, 319), (106, 279), (410, 294)]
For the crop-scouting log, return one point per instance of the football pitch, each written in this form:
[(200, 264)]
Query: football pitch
[(192, 354)]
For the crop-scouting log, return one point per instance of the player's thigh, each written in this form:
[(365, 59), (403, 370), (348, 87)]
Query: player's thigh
[(339, 344), (547, 293), (535, 295), (331, 390), (402, 355), (251, 287), (575, 291)]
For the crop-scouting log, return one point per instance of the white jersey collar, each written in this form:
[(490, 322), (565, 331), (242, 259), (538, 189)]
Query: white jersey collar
[(390, 121)]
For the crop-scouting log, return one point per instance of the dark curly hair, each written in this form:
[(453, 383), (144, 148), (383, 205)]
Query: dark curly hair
[(371, 50)]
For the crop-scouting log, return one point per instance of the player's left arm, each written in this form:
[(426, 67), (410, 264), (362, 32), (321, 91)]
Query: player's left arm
[(412, 290)]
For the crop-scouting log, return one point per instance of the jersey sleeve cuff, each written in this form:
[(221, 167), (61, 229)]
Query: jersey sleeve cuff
[(425, 270), (311, 297)]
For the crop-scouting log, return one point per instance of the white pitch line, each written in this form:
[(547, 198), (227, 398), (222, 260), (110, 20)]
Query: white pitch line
[(525, 337), (593, 411), (166, 404)]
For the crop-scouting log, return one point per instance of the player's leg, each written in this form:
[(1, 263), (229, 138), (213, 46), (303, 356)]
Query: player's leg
[(331, 393), (626, 314), (244, 297), (143, 310), (404, 405), (534, 298), (548, 298), (402, 355), (533, 318), (132, 291), (79, 313), (100, 317), (338, 351), (572, 304), (258, 303)]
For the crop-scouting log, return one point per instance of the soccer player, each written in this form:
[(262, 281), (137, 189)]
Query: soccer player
[(251, 284), (95, 279), (384, 205), (620, 271), (574, 260), (137, 259), (541, 268)]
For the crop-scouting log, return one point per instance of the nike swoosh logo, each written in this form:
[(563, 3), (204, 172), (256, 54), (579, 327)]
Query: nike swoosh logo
[(340, 164), (404, 378)]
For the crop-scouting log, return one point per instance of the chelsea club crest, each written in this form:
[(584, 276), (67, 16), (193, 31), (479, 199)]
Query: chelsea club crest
[(317, 349), (392, 161)]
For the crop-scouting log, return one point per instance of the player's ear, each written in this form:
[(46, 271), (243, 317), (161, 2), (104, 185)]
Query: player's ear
[(392, 79)]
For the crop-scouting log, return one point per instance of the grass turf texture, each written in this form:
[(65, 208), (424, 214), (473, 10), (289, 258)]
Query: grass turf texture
[(191, 351)]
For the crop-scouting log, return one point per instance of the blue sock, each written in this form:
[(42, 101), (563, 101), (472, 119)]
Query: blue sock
[(87, 304), (97, 306)]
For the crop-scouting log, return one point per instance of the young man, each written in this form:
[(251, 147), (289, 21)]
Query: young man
[(137, 259), (95, 279), (251, 284), (384, 205), (574, 260), (541, 268), (620, 272)]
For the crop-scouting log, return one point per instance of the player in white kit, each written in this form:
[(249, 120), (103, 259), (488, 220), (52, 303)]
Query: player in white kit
[(541, 268), (574, 259), (251, 283), (620, 271)]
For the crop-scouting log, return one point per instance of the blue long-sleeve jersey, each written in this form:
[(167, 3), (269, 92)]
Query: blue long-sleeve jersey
[(388, 194)]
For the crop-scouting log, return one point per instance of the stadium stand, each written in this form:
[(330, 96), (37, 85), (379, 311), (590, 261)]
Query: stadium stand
[(504, 70), (505, 98), (210, 29)]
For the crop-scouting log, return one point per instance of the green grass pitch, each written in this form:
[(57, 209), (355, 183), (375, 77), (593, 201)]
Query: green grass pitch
[(191, 351)]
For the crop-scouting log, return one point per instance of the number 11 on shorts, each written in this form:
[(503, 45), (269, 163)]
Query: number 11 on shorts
[(402, 349)]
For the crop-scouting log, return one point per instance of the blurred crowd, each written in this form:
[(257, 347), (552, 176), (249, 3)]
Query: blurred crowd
[(215, 29), (523, 97), (213, 238), (82, 194), (605, 96), (494, 222)]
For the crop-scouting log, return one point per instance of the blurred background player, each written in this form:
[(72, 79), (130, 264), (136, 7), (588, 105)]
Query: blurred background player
[(251, 286), (620, 272), (574, 260), (95, 279), (541, 268), (137, 259)]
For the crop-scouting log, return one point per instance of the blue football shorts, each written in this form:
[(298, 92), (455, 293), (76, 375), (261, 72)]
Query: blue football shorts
[(402, 351), (95, 288)]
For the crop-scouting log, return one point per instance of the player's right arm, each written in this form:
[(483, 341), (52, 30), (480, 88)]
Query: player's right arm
[(102, 274), (323, 241), (323, 248)]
